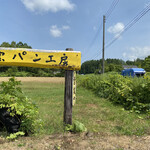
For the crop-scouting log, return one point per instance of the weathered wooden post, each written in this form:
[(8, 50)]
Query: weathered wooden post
[(68, 96)]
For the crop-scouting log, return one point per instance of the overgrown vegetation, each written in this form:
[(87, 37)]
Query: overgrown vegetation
[(19, 105), (132, 93)]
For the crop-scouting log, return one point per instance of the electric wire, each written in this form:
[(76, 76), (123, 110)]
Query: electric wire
[(108, 13), (130, 24), (127, 27), (93, 56), (111, 8), (93, 41), (96, 55)]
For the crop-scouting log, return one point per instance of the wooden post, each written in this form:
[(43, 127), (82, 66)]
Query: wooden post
[(68, 96)]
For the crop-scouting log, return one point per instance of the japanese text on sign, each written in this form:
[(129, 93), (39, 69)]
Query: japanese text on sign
[(40, 58)]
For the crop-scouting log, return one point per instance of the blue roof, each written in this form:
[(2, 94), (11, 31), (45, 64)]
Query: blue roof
[(138, 69), (135, 70)]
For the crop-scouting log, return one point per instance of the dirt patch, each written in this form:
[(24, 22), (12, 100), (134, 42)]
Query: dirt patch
[(84, 141), (91, 106), (37, 79)]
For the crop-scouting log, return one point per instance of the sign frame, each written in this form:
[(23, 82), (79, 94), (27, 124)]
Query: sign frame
[(68, 60)]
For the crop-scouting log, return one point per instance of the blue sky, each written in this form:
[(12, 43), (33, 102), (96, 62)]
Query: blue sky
[(61, 24)]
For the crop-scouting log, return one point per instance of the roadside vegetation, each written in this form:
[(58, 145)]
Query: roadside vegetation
[(131, 93)]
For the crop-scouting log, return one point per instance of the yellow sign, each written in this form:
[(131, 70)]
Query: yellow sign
[(69, 60)]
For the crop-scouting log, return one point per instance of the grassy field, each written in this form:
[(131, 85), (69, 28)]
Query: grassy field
[(98, 115), (49, 98)]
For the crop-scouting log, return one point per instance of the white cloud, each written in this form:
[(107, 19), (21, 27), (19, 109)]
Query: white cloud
[(116, 29), (57, 32), (48, 5), (136, 52), (65, 27)]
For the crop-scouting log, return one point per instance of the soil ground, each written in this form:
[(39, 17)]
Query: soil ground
[(68, 141), (84, 141)]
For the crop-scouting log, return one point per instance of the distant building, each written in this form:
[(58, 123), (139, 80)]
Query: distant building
[(129, 66)]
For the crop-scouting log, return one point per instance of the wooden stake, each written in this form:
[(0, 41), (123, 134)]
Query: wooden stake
[(68, 96)]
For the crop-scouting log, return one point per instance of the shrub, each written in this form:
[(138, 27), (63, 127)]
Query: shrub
[(132, 93), (17, 104)]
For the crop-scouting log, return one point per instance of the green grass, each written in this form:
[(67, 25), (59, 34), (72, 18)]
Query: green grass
[(49, 97), (98, 115)]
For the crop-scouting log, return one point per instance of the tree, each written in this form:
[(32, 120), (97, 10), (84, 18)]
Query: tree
[(5, 44), (89, 66), (20, 45), (115, 61), (11, 71), (95, 66), (139, 62), (147, 64), (14, 45), (129, 62)]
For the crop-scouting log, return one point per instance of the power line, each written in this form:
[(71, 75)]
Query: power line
[(111, 8), (130, 24), (127, 27), (94, 39), (96, 35), (108, 13), (93, 56), (98, 54)]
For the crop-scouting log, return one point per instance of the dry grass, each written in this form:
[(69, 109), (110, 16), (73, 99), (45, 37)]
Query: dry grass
[(37, 79)]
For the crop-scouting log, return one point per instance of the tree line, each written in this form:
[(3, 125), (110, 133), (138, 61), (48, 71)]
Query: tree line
[(113, 65)]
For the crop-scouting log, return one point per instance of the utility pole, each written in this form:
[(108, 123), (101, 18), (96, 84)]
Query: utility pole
[(103, 60)]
